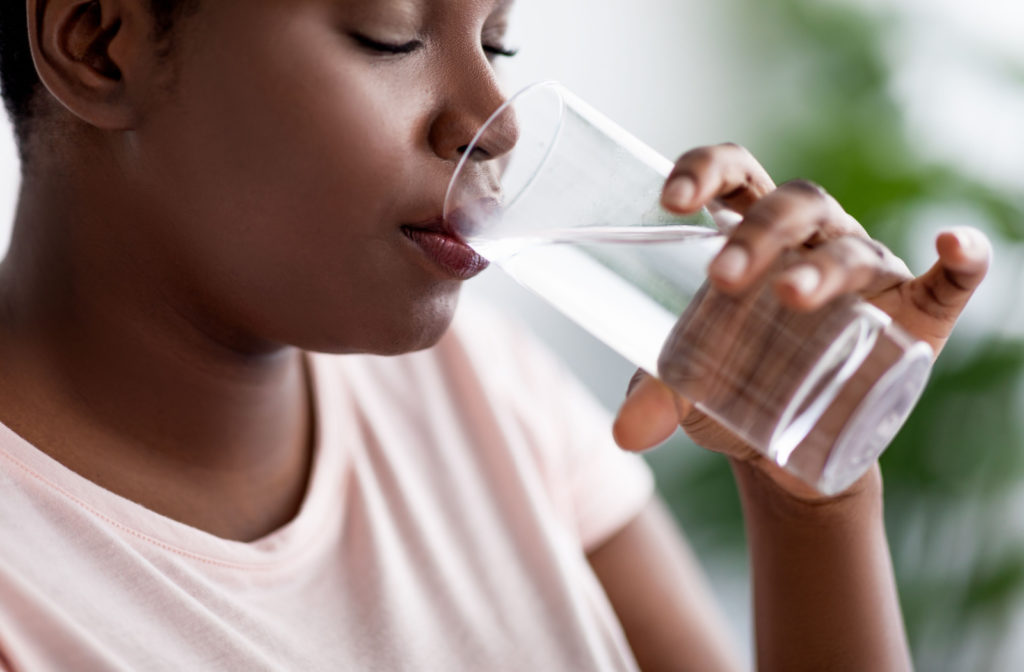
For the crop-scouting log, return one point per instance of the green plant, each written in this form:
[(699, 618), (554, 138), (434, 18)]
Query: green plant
[(823, 111)]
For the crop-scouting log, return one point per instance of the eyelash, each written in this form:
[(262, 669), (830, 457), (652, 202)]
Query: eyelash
[(409, 47), (500, 51), (374, 45)]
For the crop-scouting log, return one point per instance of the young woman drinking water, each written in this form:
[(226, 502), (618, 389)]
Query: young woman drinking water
[(241, 432)]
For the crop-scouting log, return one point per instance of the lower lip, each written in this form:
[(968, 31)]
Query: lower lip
[(454, 256)]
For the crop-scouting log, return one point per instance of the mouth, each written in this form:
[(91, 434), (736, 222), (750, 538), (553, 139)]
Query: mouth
[(442, 245)]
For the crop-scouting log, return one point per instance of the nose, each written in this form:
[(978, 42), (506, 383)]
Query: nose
[(470, 104)]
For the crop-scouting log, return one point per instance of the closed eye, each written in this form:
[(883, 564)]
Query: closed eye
[(386, 47), (492, 50), (413, 45)]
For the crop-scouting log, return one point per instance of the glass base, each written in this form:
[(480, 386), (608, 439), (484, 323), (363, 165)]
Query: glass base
[(865, 415), (877, 420)]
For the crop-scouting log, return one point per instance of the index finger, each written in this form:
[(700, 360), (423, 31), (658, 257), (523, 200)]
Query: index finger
[(727, 173)]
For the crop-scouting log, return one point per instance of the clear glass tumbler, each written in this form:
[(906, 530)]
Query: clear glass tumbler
[(572, 212)]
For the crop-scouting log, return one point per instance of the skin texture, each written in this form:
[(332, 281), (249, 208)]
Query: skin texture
[(193, 217)]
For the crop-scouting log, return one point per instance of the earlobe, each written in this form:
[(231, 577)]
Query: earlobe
[(82, 50)]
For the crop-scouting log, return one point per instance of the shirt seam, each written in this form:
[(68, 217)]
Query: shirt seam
[(254, 566)]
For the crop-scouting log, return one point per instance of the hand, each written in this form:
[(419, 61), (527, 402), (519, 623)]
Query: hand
[(836, 256)]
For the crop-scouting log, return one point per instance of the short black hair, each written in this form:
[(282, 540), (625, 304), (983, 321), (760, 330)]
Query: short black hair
[(19, 82)]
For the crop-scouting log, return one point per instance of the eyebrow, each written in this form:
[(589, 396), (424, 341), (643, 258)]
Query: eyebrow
[(503, 4), (414, 10), (411, 10), (501, 9)]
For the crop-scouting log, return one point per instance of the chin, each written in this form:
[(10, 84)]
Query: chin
[(423, 328), (396, 332)]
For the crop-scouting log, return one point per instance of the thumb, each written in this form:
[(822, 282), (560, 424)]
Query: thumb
[(649, 415)]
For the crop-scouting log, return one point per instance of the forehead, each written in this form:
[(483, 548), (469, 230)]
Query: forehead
[(422, 9)]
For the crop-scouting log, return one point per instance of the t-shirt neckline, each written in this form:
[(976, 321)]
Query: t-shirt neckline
[(282, 545)]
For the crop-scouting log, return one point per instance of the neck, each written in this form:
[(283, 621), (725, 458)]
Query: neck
[(114, 373)]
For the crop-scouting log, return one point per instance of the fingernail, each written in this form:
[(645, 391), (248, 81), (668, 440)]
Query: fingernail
[(731, 263), (679, 192), (804, 278), (635, 382)]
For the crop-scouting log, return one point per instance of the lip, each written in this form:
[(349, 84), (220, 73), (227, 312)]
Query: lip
[(439, 242)]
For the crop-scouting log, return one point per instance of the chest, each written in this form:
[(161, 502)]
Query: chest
[(405, 572)]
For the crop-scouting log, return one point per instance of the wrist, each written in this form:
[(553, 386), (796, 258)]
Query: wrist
[(766, 487)]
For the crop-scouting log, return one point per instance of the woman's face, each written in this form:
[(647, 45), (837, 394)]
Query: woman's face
[(298, 141)]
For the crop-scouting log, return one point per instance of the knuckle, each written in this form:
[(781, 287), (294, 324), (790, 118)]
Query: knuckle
[(927, 300), (782, 215), (745, 183), (842, 255), (920, 302), (848, 223), (854, 251), (876, 250), (955, 281), (805, 188), (764, 218), (739, 155), (734, 147), (845, 254), (742, 161)]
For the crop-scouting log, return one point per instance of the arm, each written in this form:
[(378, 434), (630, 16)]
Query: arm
[(662, 598), (824, 592)]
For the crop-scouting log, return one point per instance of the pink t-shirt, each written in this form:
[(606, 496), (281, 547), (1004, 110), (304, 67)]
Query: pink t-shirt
[(454, 494)]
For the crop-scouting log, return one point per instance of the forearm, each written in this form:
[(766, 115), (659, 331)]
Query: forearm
[(824, 593)]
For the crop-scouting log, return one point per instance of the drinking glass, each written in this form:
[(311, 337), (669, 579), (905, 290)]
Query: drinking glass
[(568, 204)]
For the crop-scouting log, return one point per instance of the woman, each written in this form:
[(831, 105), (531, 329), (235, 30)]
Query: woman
[(215, 194)]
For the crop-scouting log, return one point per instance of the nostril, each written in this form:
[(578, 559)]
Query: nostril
[(479, 152)]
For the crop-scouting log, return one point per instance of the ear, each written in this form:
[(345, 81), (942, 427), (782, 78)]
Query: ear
[(90, 54)]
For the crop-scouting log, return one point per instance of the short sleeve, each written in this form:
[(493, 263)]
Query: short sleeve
[(608, 485), (596, 486)]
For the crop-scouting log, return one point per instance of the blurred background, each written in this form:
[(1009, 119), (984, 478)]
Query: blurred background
[(911, 112)]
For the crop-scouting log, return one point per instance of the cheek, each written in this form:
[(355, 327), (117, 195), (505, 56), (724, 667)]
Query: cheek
[(288, 195), (300, 151)]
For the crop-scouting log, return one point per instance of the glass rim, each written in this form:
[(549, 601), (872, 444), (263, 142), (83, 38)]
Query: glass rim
[(550, 84)]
